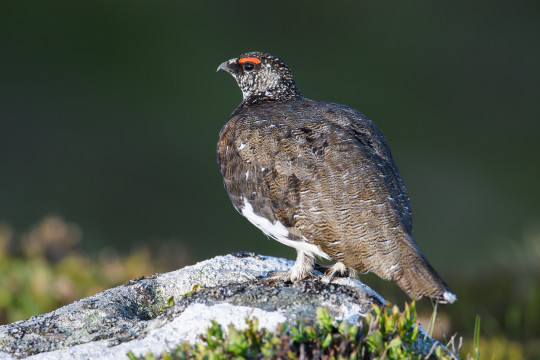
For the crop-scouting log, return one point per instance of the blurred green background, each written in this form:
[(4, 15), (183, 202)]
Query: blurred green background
[(110, 114)]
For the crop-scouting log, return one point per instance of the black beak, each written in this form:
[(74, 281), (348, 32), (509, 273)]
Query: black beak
[(224, 66), (230, 66)]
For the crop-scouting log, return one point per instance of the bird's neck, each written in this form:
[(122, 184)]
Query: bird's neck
[(273, 95)]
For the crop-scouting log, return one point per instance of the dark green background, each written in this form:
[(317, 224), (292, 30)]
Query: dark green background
[(111, 110)]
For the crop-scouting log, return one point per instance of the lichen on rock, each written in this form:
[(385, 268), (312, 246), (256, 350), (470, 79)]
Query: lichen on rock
[(140, 315)]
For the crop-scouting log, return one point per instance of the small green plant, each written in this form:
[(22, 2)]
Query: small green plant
[(476, 340), (386, 333), (392, 333), (201, 285), (431, 324)]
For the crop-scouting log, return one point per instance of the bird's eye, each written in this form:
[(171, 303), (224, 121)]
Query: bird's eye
[(248, 66)]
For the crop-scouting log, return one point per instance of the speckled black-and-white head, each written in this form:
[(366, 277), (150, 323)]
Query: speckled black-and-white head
[(261, 77)]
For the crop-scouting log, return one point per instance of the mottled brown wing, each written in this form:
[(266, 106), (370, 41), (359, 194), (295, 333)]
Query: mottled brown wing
[(352, 206), (371, 139), (326, 177)]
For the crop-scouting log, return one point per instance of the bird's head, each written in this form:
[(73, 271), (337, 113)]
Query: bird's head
[(261, 77)]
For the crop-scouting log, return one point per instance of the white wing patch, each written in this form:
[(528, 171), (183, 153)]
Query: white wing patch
[(279, 232)]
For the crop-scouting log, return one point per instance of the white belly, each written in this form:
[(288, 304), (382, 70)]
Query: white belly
[(279, 232)]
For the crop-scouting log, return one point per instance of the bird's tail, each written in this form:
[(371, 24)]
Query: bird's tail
[(418, 279)]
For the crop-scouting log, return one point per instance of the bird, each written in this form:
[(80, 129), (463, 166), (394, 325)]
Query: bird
[(319, 177)]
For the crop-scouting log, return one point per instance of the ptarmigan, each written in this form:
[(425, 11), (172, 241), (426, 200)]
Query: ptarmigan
[(319, 177)]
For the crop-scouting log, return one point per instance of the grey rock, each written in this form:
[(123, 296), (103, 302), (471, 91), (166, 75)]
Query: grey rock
[(136, 316)]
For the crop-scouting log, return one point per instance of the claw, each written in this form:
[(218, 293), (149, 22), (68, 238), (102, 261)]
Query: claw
[(339, 269)]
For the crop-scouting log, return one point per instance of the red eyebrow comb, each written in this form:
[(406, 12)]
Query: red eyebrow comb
[(249, 59)]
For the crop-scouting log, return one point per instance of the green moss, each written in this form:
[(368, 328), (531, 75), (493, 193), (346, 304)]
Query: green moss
[(386, 333)]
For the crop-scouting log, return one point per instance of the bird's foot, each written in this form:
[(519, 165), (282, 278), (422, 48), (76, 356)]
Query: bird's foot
[(289, 276), (301, 272), (302, 268), (337, 270)]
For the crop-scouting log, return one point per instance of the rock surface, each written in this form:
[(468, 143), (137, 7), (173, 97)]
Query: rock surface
[(136, 316)]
